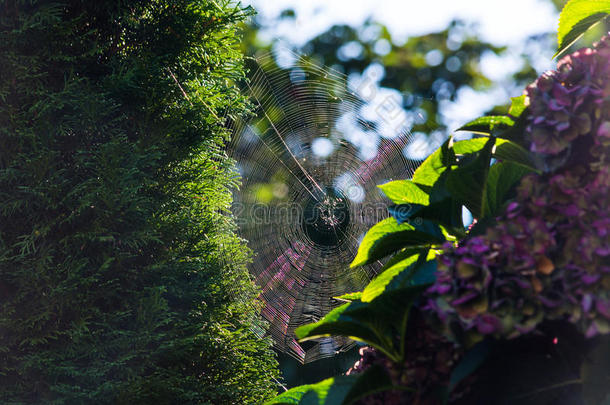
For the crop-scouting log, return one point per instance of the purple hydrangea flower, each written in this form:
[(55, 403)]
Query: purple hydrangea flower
[(548, 256)]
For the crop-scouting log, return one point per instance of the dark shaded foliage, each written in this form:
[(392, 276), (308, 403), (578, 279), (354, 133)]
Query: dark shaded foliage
[(121, 279)]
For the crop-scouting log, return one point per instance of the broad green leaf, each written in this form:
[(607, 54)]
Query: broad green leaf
[(306, 330), (488, 125), (430, 170), (431, 228), (517, 132), (467, 183), (443, 208), (402, 212), (395, 305), (374, 323), (400, 257), (405, 192), (340, 322), (425, 274), (509, 151), (330, 391), (518, 105), (447, 213), (349, 296), (398, 275), (387, 237), (341, 390), (501, 178), (504, 150), (397, 265), (411, 213), (438, 191), (295, 395), (469, 146), (576, 18)]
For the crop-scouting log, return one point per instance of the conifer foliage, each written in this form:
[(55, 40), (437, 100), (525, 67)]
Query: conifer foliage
[(121, 280)]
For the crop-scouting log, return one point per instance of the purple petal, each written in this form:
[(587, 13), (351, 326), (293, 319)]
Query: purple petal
[(589, 279), (487, 324), (548, 302), (603, 307), (591, 331), (465, 298), (587, 303), (603, 251)]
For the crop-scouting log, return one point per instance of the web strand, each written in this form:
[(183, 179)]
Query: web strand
[(307, 175), (299, 265)]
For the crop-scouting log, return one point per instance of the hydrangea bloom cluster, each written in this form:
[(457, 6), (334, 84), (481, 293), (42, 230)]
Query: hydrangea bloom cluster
[(548, 256), (566, 103)]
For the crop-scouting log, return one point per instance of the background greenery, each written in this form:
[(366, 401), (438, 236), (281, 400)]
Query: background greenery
[(122, 280)]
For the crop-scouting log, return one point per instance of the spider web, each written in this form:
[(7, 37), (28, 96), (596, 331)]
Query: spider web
[(310, 158)]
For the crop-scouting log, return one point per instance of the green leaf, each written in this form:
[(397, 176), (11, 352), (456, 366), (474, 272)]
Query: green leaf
[(405, 192), (330, 391), (467, 183), (395, 304), (501, 178), (396, 265), (443, 208), (576, 18), (517, 106), (341, 390), (374, 323), (504, 150), (349, 296), (399, 274), (509, 151), (469, 146), (488, 125), (340, 322), (447, 213), (430, 170), (305, 331), (387, 237), (402, 212), (410, 213), (355, 320)]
